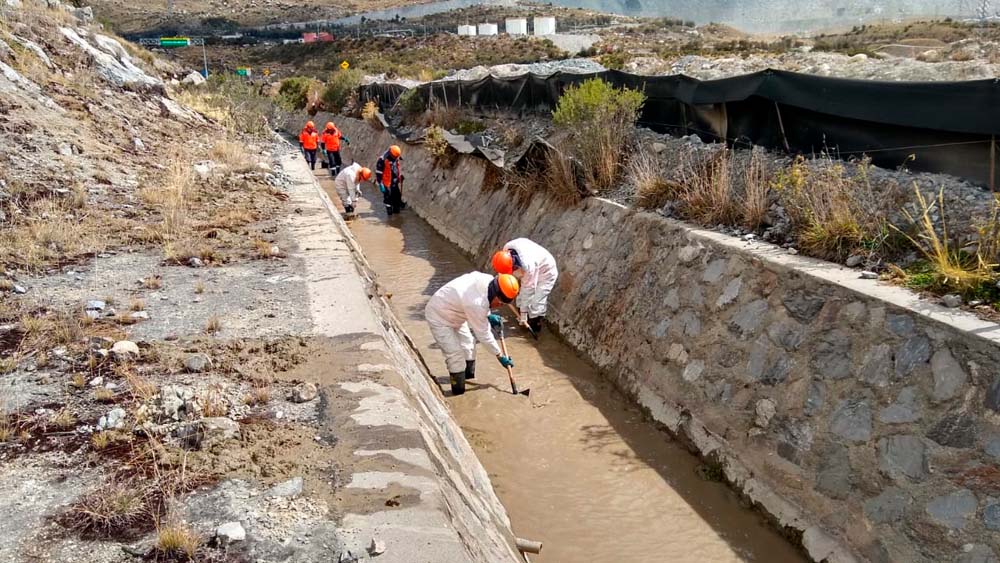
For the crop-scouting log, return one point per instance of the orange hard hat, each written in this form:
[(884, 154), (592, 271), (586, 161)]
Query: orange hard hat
[(310, 125), (503, 262), (329, 125), (395, 151), (509, 286), (365, 173)]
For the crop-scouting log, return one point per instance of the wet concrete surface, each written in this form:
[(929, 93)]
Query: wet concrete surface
[(577, 465)]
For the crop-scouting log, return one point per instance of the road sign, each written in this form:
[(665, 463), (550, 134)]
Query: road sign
[(345, 65), (267, 72), (243, 71), (175, 41)]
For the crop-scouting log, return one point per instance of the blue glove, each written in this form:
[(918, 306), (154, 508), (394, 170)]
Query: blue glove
[(346, 140), (495, 320), (506, 361), (382, 188)]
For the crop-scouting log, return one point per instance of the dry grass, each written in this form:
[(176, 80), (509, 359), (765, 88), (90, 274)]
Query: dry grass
[(213, 404), (6, 285), (707, 192), (259, 395), (63, 420), (177, 539), (152, 282), (369, 113), (105, 395), (137, 305), (952, 268), (7, 365), (232, 219), (199, 287), (170, 199), (141, 388), (233, 155), (101, 441), (435, 143), (110, 511), (263, 249), (213, 325), (653, 190), (78, 380), (51, 329), (834, 213), (756, 192)]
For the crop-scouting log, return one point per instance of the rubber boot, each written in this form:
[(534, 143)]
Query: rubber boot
[(535, 323), (470, 369), (457, 383)]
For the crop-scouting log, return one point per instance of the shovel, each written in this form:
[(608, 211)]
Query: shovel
[(510, 370), (525, 325)]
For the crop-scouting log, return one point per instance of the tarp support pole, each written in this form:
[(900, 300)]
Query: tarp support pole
[(993, 163), (684, 117), (781, 125)]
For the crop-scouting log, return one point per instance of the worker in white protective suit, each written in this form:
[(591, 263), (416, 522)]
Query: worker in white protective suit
[(537, 271), (459, 314), (348, 184)]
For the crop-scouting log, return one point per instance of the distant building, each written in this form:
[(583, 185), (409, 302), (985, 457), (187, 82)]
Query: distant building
[(545, 25), (516, 26), (468, 30), (488, 29)]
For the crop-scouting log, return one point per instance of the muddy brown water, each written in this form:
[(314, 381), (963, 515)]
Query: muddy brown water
[(577, 465)]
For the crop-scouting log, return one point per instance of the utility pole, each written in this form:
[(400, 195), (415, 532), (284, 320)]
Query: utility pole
[(170, 7)]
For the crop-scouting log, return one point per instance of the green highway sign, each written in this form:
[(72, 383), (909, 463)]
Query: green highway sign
[(243, 71), (175, 41)]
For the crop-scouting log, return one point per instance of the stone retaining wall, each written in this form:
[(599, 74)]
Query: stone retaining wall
[(863, 420)]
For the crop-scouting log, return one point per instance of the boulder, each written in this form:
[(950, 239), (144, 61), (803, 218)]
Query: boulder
[(304, 392), (194, 79), (289, 489), (230, 532), (197, 363)]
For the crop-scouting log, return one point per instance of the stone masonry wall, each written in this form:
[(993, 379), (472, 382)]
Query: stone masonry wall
[(864, 421)]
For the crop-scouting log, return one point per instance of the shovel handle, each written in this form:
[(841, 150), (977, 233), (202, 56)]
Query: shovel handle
[(510, 370)]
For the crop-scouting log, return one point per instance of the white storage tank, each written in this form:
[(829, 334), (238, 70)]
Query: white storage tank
[(545, 25), (516, 26), (487, 29), (467, 30)]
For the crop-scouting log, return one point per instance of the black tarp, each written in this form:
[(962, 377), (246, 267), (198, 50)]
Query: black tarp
[(945, 127)]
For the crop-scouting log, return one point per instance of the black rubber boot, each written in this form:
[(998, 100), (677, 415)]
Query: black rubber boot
[(535, 324), (457, 383), (470, 369)]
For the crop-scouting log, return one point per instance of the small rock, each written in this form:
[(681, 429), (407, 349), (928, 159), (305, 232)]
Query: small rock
[(376, 548), (20, 289), (195, 79), (197, 363), (125, 350), (114, 420), (765, 411), (140, 316), (65, 149), (854, 261), (952, 301), (792, 251), (749, 237), (289, 489), (97, 381), (304, 392), (138, 144), (867, 275), (659, 148), (230, 532), (95, 305), (195, 262)]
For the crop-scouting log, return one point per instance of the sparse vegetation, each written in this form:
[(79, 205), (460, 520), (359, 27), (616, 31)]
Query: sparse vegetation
[(199, 287), (436, 144), (601, 122), (237, 105), (259, 395), (177, 540), (298, 93), (339, 88), (213, 325), (152, 282), (112, 510)]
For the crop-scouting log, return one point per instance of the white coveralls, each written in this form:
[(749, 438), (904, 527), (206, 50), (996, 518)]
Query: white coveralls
[(458, 311), (347, 185), (538, 274)]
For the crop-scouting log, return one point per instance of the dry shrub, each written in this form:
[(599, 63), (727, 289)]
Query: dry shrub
[(834, 213), (706, 191), (652, 189), (213, 325), (601, 124), (437, 145), (63, 420), (141, 388), (962, 55), (214, 404), (137, 305), (259, 395), (152, 282), (561, 179), (370, 114), (199, 287), (113, 510), (232, 219), (79, 381), (263, 249), (756, 192), (445, 117), (104, 395)]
